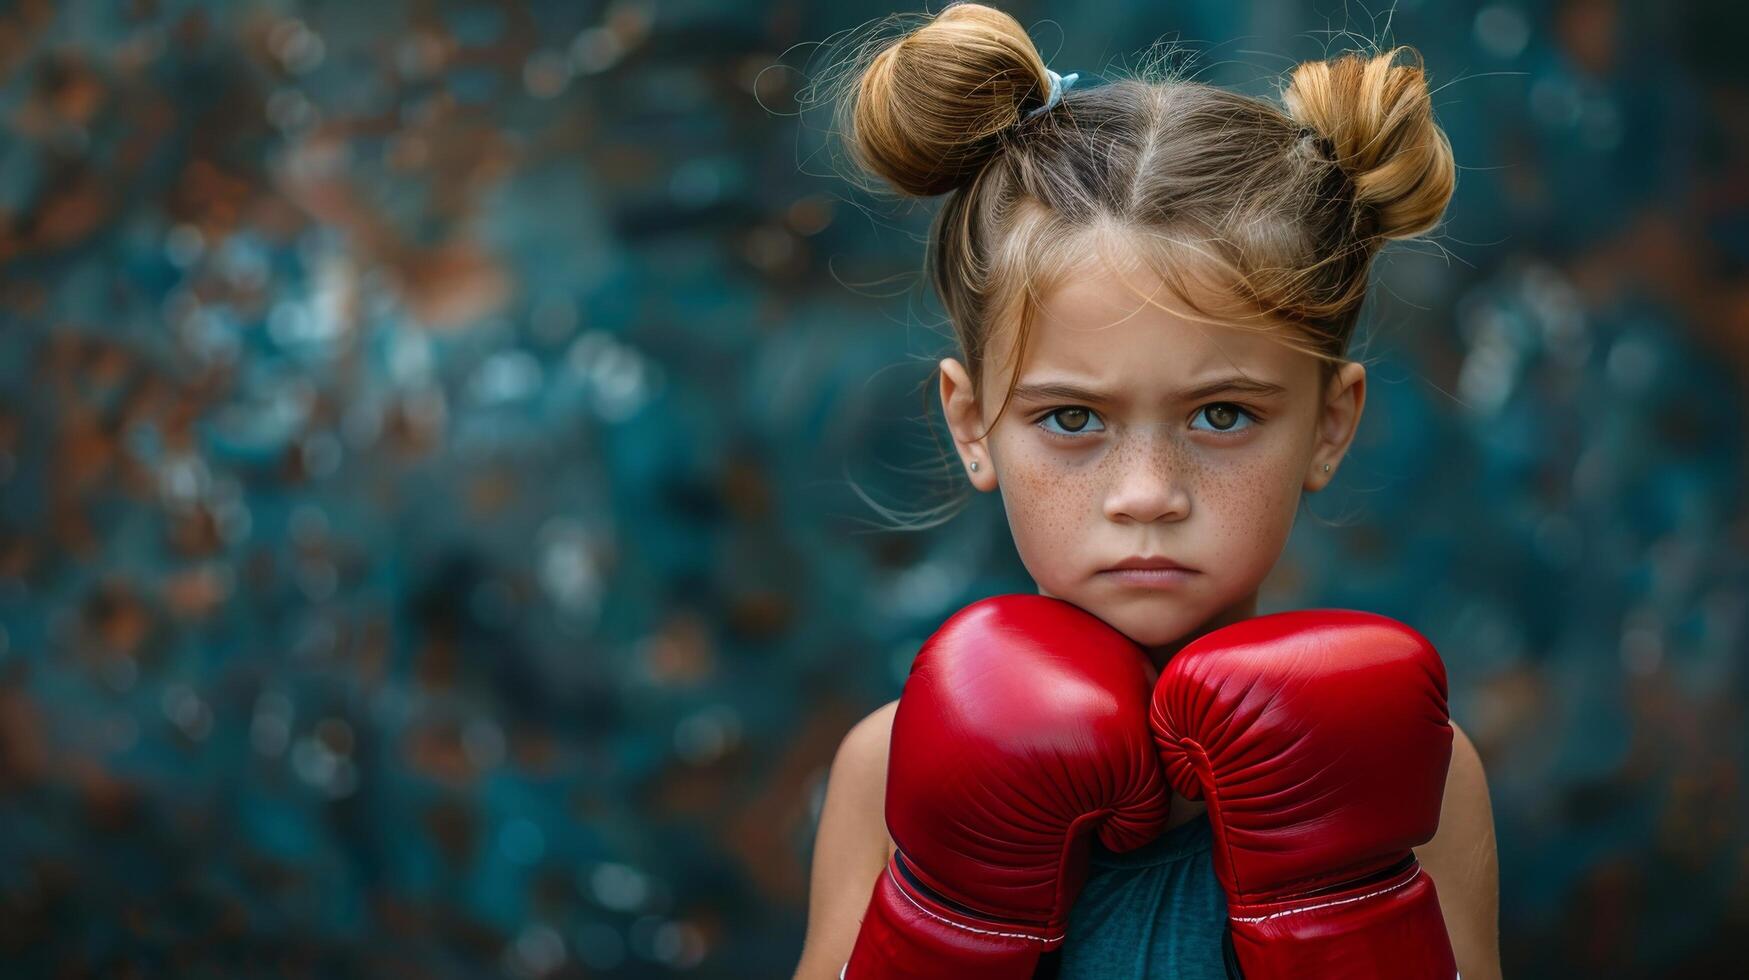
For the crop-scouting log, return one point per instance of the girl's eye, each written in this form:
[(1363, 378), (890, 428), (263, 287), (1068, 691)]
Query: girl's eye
[(1225, 417), (1074, 420), (1071, 421)]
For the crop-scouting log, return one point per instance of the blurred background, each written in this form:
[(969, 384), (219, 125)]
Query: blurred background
[(443, 449)]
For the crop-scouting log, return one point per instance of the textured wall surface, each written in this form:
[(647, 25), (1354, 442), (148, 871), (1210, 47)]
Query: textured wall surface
[(430, 436)]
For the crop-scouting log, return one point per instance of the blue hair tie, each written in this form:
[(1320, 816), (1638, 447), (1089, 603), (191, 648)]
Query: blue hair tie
[(1059, 85)]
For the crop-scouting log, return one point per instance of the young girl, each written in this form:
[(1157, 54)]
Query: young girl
[(1153, 286)]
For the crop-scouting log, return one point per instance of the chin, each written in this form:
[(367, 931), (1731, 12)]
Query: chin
[(1148, 622)]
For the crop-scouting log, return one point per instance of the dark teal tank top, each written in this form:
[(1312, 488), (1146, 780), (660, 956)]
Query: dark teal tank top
[(1156, 912)]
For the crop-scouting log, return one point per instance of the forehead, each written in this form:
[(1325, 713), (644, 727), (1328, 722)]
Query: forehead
[(1134, 332)]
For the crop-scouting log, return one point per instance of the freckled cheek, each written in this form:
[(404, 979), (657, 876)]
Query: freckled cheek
[(1250, 505), (1051, 498)]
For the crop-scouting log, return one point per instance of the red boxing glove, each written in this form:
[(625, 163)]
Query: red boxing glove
[(1320, 739), (1021, 729)]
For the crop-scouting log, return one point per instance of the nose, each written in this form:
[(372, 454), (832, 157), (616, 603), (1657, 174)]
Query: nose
[(1147, 483)]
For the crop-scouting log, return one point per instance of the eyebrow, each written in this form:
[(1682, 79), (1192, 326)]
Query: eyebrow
[(1068, 391)]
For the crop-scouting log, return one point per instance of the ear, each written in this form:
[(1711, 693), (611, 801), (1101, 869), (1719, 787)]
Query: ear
[(1338, 418), (966, 421)]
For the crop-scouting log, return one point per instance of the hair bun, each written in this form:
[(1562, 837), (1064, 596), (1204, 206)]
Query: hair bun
[(929, 111), (1378, 119)]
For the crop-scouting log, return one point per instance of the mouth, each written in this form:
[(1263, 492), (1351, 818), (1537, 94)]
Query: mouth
[(1148, 563), (1149, 572)]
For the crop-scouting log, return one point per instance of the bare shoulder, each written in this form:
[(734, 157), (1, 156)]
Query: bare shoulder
[(859, 772), (1466, 764), (868, 738), (1466, 813), (863, 755), (850, 847), (1463, 861)]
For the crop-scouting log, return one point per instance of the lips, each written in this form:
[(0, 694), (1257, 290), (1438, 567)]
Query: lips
[(1148, 562)]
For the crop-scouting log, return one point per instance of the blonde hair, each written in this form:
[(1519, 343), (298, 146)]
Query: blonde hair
[(1283, 206)]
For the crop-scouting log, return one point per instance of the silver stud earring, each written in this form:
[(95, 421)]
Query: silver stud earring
[(1326, 467), (975, 466)]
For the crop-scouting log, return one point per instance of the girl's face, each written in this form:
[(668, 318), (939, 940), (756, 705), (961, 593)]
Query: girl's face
[(1134, 433)]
